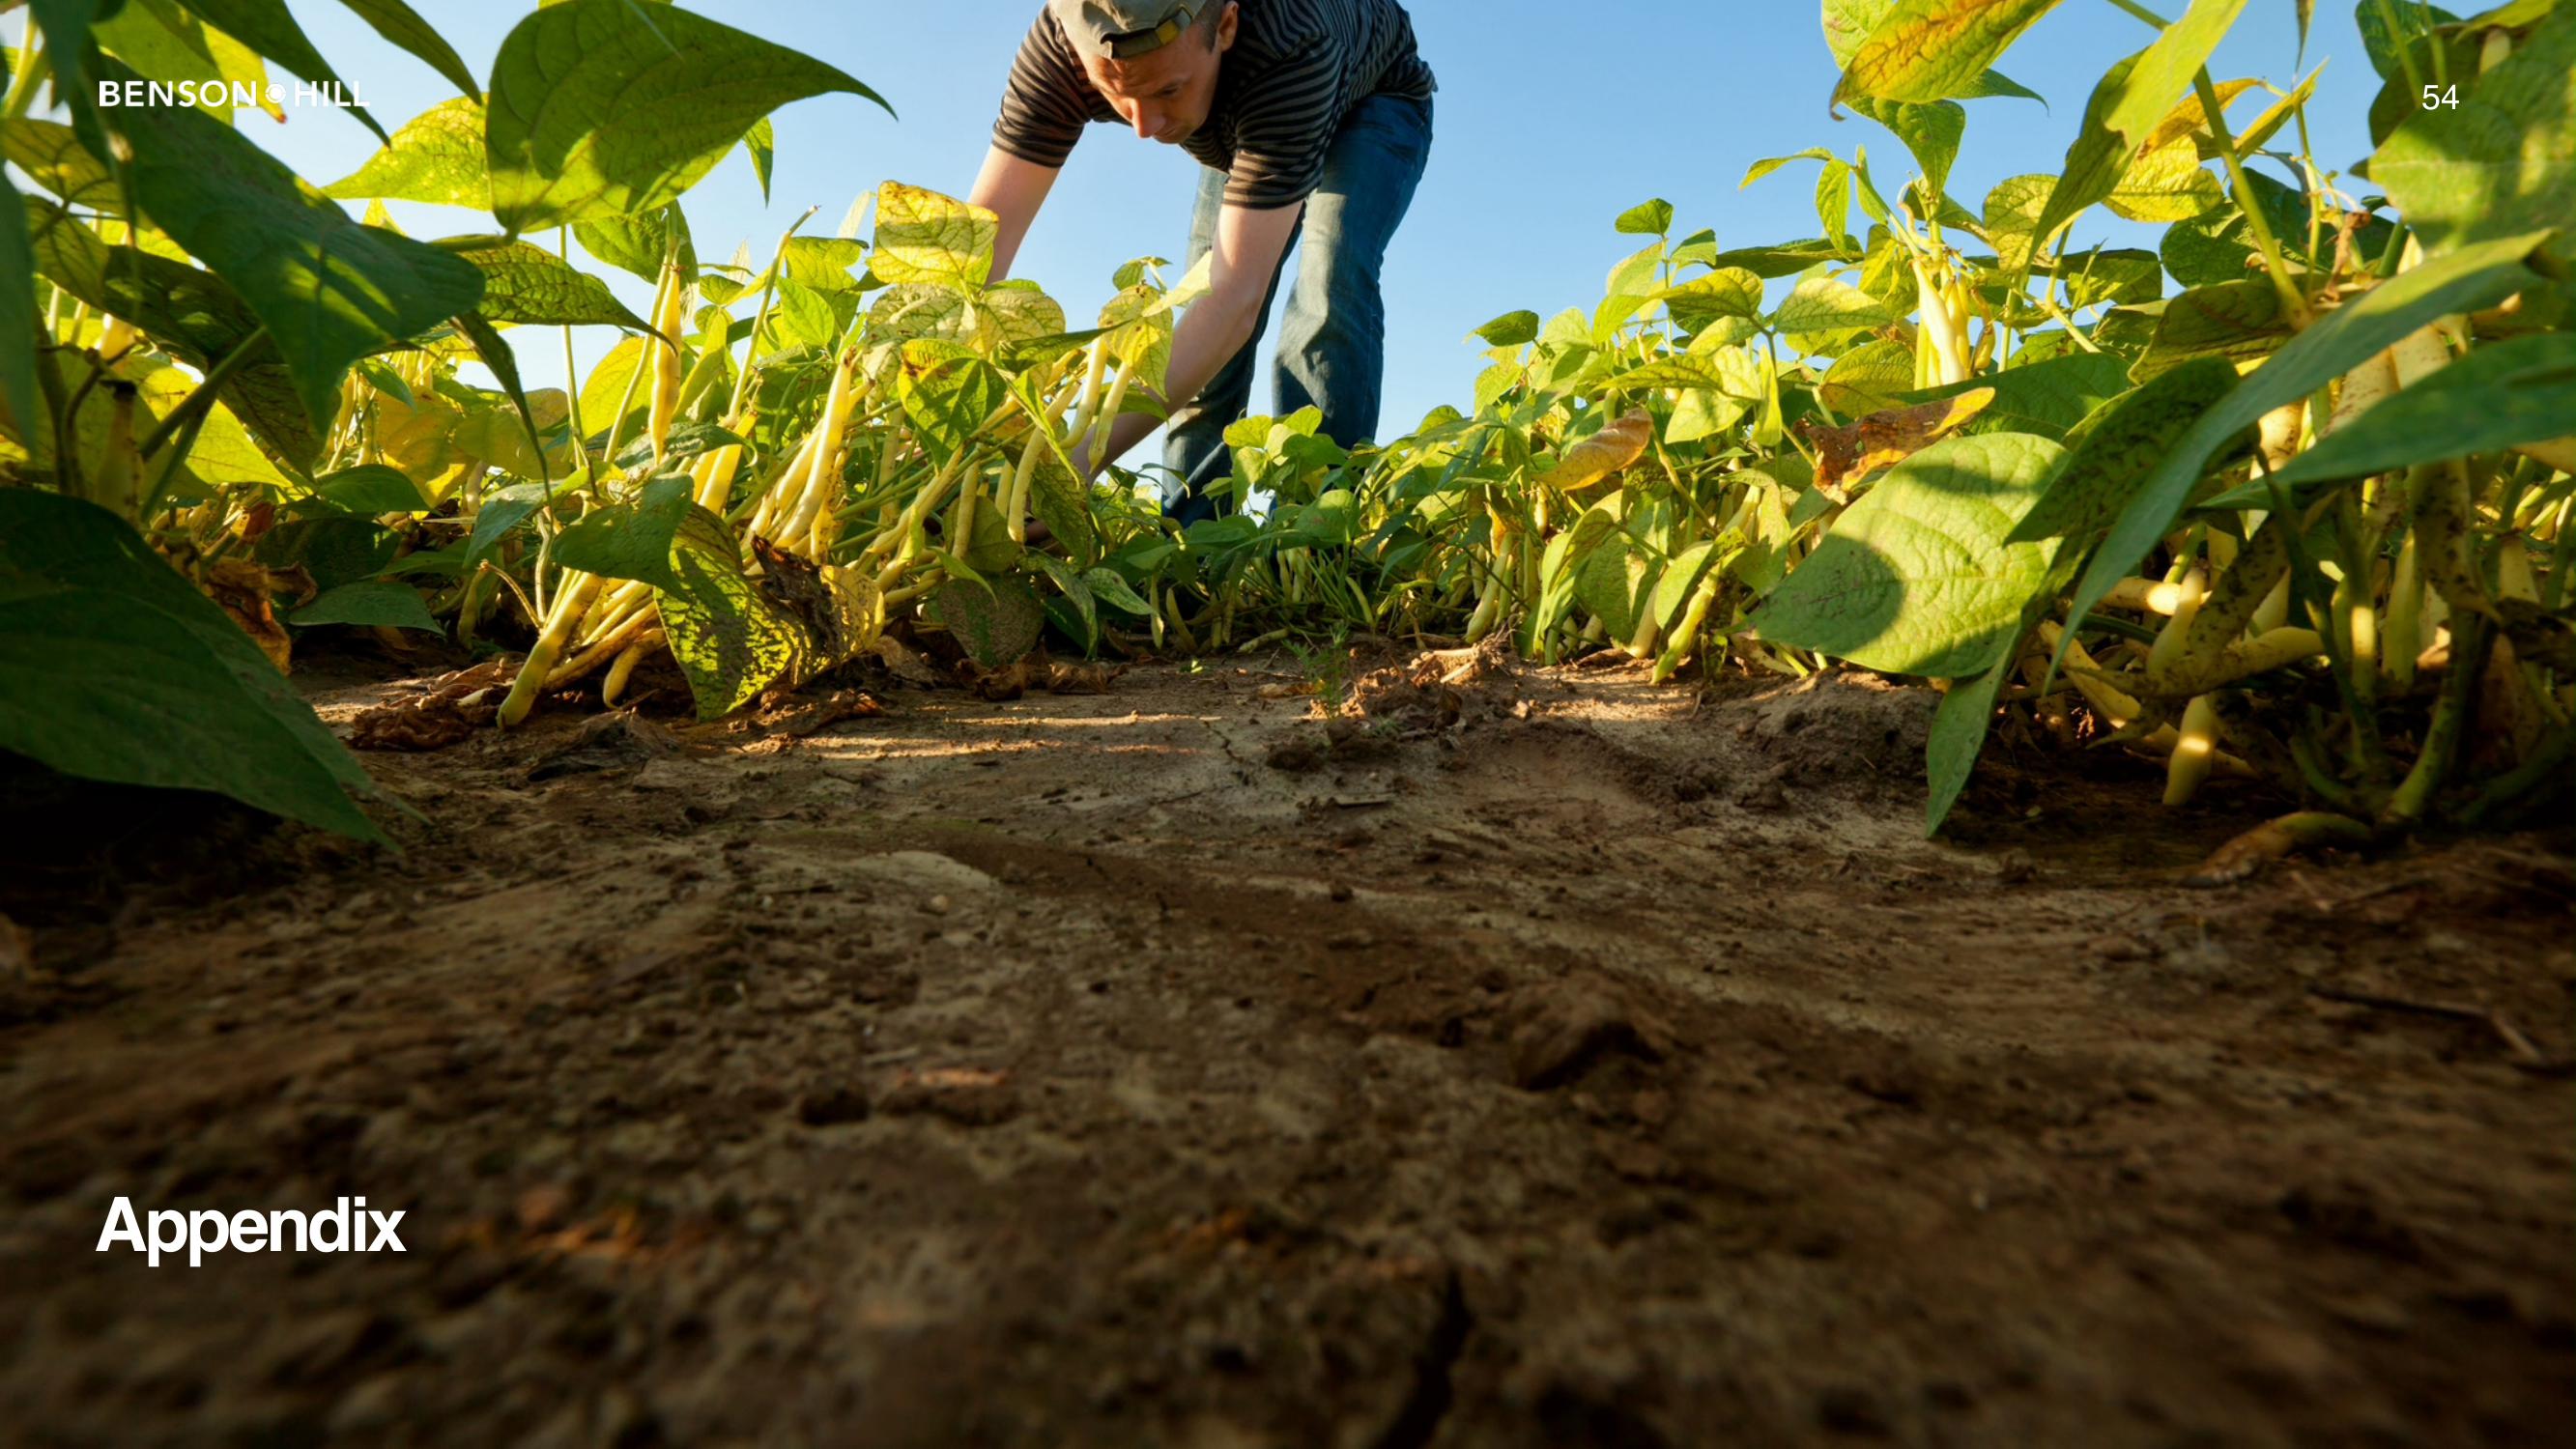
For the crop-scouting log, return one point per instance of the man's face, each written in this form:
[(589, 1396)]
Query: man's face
[(1166, 94)]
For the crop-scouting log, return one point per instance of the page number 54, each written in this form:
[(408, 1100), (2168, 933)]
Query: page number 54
[(2436, 97)]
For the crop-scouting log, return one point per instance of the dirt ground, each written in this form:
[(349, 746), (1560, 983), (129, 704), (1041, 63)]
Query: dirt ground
[(1538, 1058)]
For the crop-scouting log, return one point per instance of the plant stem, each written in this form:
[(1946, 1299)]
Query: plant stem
[(2293, 302), (33, 66), (2405, 52), (202, 398), (768, 292), (572, 378), (2470, 636)]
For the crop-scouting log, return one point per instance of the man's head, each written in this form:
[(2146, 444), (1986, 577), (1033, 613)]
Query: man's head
[(1155, 61)]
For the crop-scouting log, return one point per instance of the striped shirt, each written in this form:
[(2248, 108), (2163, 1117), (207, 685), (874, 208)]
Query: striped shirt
[(1297, 69)]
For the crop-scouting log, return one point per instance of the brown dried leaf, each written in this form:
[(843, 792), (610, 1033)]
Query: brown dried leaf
[(1603, 454), (1040, 673), (451, 709), (246, 589), (906, 663), (786, 714), (837, 606), (1846, 454)]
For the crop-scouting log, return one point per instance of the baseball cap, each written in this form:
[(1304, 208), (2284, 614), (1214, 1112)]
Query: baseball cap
[(1125, 29)]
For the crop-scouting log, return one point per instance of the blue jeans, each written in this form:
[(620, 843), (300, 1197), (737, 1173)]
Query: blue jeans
[(1332, 345)]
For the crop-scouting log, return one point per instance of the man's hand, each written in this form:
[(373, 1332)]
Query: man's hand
[(1248, 247), (1013, 190)]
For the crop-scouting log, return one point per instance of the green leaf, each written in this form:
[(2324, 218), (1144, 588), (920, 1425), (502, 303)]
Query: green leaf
[(1512, 329), (1617, 584), (631, 540), (402, 25), (67, 25), (113, 667), (947, 394), (1916, 577), (2219, 246), (1868, 379), (1015, 312), (437, 157), (761, 144), (1634, 274), (1769, 164), (523, 282), (1849, 22), (18, 394), (2416, 20), (1726, 373), (992, 323), (800, 316), (1559, 568), (1725, 292), (164, 43), (2115, 450), (1781, 261), (1111, 588), (2501, 394), (729, 639), (2044, 397), (371, 489), (1080, 619), (1931, 132), (687, 443), (2125, 109), (329, 290), (1652, 218), (2167, 184), (370, 605), (1821, 307), (1959, 731), (1062, 502), (2238, 320), (101, 686), (2013, 210), (501, 515), (926, 239), (2504, 161), (2466, 280), (599, 108), (2125, 276), (53, 157), (1930, 50), (264, 26), (191, 314), (996, 624), (488, 345), (617, 378), (825, 263), (635, 244)]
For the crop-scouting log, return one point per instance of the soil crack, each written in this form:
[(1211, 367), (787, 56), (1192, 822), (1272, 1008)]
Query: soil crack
[(1428, 1405)]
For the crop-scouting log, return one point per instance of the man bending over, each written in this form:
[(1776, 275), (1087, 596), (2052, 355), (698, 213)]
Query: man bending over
[(1309, 116)]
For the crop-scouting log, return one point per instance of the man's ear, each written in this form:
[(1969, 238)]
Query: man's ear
[(1226, 25)]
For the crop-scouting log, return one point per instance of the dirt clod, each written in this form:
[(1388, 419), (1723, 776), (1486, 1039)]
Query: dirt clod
[(1563, 1026), (968, 1096)]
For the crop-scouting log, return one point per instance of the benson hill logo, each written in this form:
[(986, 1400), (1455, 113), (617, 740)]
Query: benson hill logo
[(349, 1226)]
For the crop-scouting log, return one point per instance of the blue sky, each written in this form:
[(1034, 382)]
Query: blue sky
[(1551, 121)]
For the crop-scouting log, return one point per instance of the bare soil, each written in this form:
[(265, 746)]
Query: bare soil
[(1526, 1058)]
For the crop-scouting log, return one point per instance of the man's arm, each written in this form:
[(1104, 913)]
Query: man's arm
[(1249, 244), (1013, 190)]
